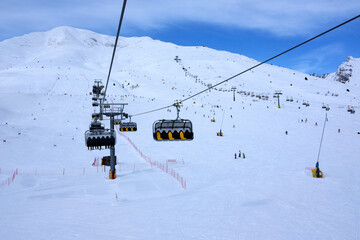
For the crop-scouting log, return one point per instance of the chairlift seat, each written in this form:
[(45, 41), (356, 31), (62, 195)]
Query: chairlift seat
[(128, 127), (95, 115), (173, 130), (105, 161), (95, 125), (100, 138), (97, 136)]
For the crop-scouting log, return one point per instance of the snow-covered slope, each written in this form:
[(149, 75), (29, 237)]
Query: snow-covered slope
[(45, 108)]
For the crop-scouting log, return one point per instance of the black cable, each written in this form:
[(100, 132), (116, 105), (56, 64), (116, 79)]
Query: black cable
[(255, 66), (155, 110), (272, 58), (116, 40)]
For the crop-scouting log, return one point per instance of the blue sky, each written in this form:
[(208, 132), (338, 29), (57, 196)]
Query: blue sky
[(255, 28)]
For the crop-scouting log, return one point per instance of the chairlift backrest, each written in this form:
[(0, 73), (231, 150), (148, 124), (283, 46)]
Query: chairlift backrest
[(176, 130), (96, 126), (98, 139), (128, 127)]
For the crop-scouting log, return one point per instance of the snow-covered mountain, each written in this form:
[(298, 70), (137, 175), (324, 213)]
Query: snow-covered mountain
[(347, 72), (45, 108), (144, 65)]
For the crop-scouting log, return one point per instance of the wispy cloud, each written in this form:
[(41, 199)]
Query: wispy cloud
[(315, 60), (278, 17)]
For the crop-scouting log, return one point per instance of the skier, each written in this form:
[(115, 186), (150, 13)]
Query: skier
[(239, 154), (316, 124), (286, 132), (339, 130), (243, 155), (235, 155)]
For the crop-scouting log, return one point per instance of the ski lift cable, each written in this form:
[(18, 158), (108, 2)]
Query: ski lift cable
[(276, 56), (222, 120), (255, 66), (116, 40), (322, 136)]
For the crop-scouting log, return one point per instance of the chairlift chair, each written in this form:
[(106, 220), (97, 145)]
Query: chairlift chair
[(128, 127), (97, 89), (351, 110), (117, 121), (97, 136), (173, 130), (105, 161), (95, 115)]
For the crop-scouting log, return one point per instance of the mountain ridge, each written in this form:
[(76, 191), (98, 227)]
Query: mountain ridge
[(147, 62)]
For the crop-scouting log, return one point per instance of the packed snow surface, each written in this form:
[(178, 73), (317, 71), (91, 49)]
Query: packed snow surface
[(50, 190)]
